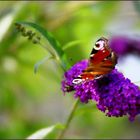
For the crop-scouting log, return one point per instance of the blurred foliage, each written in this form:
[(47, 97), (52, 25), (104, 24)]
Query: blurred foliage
[(30, 102)]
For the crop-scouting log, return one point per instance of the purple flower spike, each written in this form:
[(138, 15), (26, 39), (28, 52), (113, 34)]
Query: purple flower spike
[(123, 45), (119, 45), (118, 96), (113, 93)]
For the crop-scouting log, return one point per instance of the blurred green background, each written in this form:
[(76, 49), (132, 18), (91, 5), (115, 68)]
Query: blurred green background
[(28, 101)]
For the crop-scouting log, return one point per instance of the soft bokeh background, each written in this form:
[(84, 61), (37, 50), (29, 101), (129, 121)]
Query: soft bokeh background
[(28, 101)]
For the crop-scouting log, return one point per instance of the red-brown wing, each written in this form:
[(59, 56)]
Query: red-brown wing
[(97, 58), (102, 60), (104, 67)]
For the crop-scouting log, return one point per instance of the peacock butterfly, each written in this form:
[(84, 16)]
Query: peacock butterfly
[(102, 60)]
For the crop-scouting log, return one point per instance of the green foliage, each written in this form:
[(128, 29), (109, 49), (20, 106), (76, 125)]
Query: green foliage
[(137, 6), (40, 62), (55, 49), (54, 43), (46, 132), (30, 102)]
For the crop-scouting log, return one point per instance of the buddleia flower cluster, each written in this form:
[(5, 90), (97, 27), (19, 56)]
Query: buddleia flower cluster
[(114, 94)]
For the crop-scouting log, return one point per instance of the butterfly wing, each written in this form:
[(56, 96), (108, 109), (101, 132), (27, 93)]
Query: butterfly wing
[(102, 60), (99, 58)]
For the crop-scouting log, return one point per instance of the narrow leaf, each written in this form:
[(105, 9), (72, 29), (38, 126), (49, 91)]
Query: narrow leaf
[(71, 44), (54, 43), (40, 63), (44, 132), (40, 134), (6, 20)]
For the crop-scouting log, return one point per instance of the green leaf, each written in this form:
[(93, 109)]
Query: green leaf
[(71, 44), (56, 47), (6, 20), (40, 63), (54, 43), (44, 132)]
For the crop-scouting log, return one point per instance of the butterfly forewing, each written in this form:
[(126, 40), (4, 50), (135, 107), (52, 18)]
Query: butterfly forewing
[(101, 61)]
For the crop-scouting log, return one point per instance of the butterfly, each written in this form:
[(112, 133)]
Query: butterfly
[(102, 60)]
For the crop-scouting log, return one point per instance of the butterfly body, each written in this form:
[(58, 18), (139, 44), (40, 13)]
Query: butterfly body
[(102, 60)]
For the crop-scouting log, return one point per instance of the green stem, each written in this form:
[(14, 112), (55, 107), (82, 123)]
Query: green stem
[(71, 115), (53, 54)]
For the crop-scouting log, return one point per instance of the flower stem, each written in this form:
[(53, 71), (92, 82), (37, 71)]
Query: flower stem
[(54, 55), (71, 115)]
